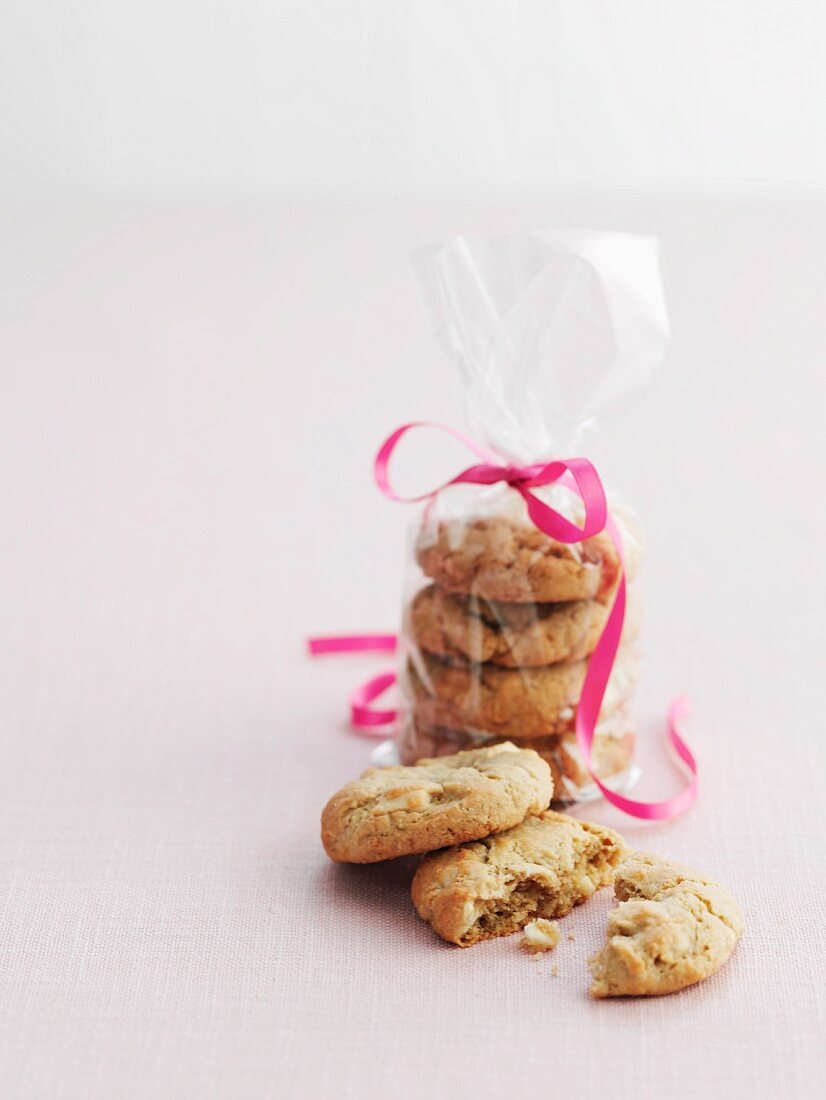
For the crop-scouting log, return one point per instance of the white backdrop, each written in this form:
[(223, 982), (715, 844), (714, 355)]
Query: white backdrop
[(224, 96)]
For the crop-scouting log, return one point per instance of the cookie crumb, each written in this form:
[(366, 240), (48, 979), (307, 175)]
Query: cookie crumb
[(571, 936), (541, 935), (554, 970)]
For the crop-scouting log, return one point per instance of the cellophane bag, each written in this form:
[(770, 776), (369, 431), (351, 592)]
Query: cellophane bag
[(553, 334)]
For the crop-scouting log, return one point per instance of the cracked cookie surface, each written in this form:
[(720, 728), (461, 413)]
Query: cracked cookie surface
[(522, 635), (674, 926), (504, 702), (541, 868), (398, 811), (498, 558)]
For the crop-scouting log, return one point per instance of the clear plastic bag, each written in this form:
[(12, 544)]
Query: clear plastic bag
[(553, 335)]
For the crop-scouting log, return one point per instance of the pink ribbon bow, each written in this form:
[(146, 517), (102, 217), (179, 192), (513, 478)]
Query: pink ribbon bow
[(579, 476)]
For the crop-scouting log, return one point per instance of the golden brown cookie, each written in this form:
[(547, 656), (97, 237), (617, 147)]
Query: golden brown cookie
[(513, 635), (503, 702), (500, 558), (673, 927), (541, 868), (402, 811), (612, 751)]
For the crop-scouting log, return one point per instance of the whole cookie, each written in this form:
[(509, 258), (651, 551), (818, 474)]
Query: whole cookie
[(510, 635), (499, 558), (526, 703), (612, 751), (541, 868), (673, 927), (399, 811)]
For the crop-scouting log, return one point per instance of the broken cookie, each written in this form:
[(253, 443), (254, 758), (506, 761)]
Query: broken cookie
[(541, 868), (673, 927)]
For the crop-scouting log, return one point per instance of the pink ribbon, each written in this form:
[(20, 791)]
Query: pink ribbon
[(364, 719), (579, 476)]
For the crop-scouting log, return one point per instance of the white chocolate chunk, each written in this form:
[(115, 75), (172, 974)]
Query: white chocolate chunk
[(413, 801), (541, 935)]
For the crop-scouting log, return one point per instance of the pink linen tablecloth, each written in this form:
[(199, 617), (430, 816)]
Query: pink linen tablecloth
[(191, 399)]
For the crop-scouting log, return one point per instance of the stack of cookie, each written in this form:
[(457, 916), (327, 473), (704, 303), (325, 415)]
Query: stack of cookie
[(498, 642)]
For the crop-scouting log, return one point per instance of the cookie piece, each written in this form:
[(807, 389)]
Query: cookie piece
[(499, 558), (673, 927), (503, 702), (540, 936), (541, 868), (612, 751), (401, 811), (511, 635)]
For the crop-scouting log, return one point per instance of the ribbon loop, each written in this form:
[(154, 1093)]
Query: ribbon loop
[(576, 474)]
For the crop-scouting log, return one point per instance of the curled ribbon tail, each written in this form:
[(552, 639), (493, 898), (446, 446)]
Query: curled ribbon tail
[(597, 675), (365, 719)]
